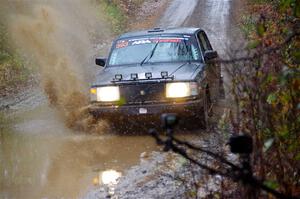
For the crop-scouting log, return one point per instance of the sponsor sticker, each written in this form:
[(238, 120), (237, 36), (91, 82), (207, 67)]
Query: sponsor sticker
[(122, 44), (133, 42), (147, 41)]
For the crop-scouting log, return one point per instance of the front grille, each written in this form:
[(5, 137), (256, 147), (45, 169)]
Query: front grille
[(142, 93)]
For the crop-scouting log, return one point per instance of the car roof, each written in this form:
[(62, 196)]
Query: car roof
[(156, 31)]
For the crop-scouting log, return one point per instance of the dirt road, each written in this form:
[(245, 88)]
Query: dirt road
[(151, 178), (41, 158)]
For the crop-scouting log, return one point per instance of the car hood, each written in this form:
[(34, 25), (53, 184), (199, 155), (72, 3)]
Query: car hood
[(181, 72)]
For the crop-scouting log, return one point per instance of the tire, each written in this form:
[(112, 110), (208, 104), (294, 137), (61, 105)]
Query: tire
[(200, 120), (207, 108)]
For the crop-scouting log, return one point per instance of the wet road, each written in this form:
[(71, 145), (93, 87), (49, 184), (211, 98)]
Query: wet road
[(177, 13), (41, 158)]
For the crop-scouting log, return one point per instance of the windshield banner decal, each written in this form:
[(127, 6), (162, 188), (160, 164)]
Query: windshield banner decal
[(139, 41)]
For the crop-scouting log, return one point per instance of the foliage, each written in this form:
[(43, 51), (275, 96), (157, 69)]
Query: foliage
[(12, 70), (118, 12), (267, 89), (114, 14)]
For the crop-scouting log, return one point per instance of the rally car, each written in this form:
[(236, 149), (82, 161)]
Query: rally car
[(151, 72)]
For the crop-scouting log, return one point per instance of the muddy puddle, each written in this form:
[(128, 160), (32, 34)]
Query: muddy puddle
[(41, 158)]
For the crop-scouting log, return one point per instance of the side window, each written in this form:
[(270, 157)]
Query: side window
[(205, 45)]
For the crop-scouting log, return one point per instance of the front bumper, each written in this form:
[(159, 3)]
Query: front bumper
[(187, 108)]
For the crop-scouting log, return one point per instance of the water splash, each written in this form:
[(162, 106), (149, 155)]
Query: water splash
[(59, 38)]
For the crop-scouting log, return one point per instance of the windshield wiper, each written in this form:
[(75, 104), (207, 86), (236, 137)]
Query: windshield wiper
[(189, 51), (150, 55)]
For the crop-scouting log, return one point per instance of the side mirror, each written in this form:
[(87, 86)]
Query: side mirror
[(210, 54), (100, 61)]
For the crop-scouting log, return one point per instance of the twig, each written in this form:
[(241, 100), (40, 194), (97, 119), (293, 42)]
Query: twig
[(236, 173), (264, 52)]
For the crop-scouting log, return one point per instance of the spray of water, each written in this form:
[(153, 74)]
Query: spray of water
[(59, 36)]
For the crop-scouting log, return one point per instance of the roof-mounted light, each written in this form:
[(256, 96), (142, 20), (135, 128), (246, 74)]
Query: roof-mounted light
[(148, 75), (164, 74), (118, 77), (134, 76)]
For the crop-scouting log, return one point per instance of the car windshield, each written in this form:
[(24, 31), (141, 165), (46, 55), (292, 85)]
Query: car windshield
[(154, 49)]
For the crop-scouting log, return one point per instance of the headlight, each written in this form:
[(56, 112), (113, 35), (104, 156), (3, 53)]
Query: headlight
[(105, 94), (181, 89)]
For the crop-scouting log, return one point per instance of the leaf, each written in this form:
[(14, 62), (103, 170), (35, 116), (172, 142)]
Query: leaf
[(268, 144), (270, 78), (297, 156), (260, 28), (271, 184), (293, 146), (296, 55), (297, 9), (284, 131), (271, 98), (253, 44), (284, 5)]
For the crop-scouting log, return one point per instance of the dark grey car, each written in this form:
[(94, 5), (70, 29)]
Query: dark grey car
[(157, 71)]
